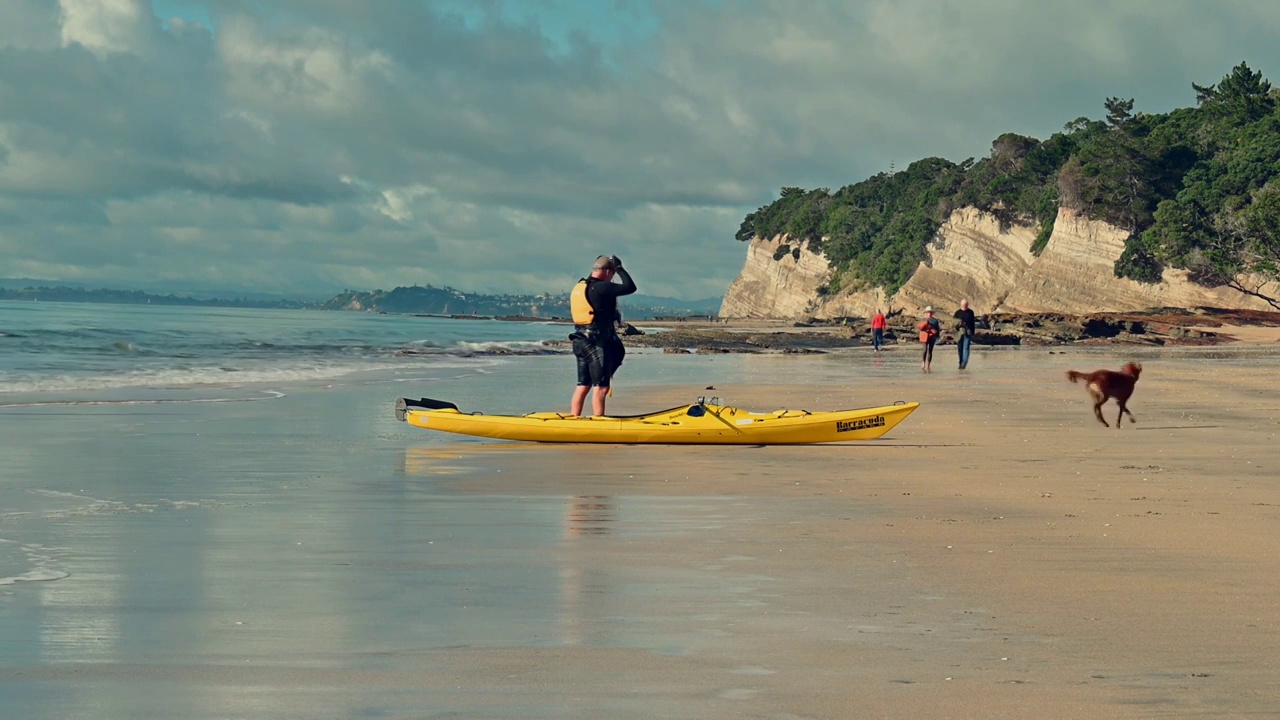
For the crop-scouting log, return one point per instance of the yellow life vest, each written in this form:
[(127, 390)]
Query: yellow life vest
[(579, 306)]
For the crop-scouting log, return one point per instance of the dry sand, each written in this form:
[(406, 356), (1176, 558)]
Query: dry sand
[(1000, 554)]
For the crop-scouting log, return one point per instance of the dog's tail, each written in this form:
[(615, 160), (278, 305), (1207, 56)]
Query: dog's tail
[(1074, 376)]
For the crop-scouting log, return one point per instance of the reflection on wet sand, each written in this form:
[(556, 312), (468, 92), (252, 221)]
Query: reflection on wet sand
[(429, 461), (583, 585), (588, 515), (451, 459)]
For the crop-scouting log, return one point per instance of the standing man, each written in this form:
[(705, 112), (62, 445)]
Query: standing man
[(877, 330), (966, 326), (596, 345)]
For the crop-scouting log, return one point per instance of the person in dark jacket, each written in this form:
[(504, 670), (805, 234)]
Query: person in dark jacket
[(966, 327), (596, 345)]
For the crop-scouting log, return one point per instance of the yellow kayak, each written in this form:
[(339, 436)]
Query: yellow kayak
[(700, 423)]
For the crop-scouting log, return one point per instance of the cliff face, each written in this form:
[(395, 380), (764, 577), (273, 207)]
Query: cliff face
[(1075, 274), (768, 288), (971, 258)]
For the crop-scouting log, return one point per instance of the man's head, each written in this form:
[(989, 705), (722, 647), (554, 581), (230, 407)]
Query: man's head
[(964, 304), (928, 310), (603, 268)]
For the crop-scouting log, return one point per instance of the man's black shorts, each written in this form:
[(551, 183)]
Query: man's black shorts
[(598, 360)]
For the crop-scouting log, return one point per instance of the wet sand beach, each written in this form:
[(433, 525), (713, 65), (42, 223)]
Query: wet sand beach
[(999, 554)]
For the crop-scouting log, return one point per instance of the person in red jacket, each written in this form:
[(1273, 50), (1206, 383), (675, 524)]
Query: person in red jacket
[(877, 330)]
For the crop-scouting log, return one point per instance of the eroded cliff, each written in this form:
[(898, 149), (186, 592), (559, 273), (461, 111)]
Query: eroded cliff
[(776, 288), (973, 258)]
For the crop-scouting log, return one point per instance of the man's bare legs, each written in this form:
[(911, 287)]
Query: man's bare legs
[(579, 399)]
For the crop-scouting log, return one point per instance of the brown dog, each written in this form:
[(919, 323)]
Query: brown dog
[(1106, 384)]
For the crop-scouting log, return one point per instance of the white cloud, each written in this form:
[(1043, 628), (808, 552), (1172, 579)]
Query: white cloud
[(398, 203), (106, 26), (375, 144), (312, 70)]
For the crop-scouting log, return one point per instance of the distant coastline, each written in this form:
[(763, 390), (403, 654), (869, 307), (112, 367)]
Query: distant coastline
[(427, 301), (63, 293)]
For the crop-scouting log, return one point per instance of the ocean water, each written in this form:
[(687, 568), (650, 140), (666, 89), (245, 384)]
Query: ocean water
[(49, 348), (75, 373), (191, 492)]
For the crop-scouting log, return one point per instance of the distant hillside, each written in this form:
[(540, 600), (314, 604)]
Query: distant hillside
[(409, 300), (194, 291), (66, 293), (448, 301)]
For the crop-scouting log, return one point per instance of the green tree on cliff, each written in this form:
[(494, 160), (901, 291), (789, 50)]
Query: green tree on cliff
[(1221, 222), (1196, 188)]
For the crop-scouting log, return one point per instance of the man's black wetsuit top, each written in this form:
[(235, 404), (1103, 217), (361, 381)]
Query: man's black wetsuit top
[(603, 296)]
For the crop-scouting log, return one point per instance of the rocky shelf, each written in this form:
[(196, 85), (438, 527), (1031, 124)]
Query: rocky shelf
[(1155, 327)]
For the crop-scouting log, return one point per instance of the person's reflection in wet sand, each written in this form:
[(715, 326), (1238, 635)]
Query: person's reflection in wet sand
[(582, 584)]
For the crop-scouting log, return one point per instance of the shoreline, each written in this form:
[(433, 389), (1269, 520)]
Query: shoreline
[(1159, 327)]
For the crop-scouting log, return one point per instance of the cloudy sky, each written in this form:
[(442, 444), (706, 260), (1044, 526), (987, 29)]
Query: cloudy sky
[(500, 145)]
